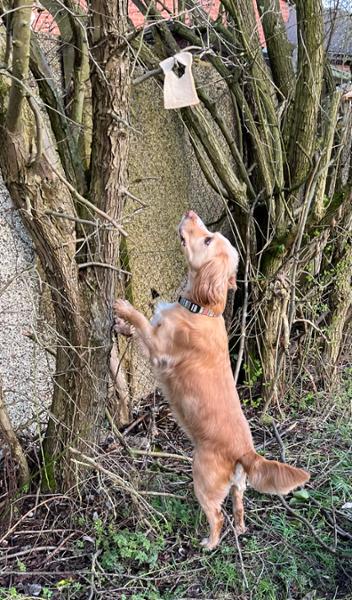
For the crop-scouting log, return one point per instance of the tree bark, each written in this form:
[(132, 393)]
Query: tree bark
[(279, 48), (10, 438), (310, 69), (20, 61)]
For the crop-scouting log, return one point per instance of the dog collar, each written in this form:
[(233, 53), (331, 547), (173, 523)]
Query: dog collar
[(196, 308)]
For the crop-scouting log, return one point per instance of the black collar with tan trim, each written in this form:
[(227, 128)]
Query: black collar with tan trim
[(196, 308)]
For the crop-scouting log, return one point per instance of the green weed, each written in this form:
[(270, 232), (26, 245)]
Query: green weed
[(123, 550)]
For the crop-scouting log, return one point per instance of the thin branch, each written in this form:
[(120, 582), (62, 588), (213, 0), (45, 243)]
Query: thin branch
[(245, 299), (104, 266), (20, 61), (119, 481), (39, 136), (60, 123), (312, 530), (86, 202), (280, 442), (34, 549), (245, 580), (135, 198), (161, 455), (147, 75), (32, 335), (51, 498), (71, 218)]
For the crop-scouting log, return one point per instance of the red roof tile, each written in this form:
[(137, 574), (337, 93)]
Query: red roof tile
[(43, 21)]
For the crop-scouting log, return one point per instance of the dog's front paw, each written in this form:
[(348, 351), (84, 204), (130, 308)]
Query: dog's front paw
[(122, 309), (123, 328)]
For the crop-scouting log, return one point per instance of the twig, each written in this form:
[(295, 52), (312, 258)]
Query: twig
[(58, 548), (245, 299), (41, 573), (86, 202), (135, 198), (118, 433), (27, 551), (280, 442), (312, 530), (92, 586), (12, 279), (138, 452), (104, 265), (134, 424), (146, 76), (283, 434), (245, 580), (331, 520), (87, 461), (31, 510), (71, 218), (167, 494), (32, 335), (312, 325), (161, 454)]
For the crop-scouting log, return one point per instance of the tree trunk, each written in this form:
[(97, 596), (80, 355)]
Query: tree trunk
[(110, 80), (340, 301)]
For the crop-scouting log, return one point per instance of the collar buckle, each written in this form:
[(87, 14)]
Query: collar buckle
[(196, 309)]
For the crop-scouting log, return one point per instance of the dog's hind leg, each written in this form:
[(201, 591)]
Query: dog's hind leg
[(239, 485), (212, 482)]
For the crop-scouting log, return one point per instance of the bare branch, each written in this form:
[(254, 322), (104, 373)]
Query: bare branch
[(279, 49), (304, 114), (87, 203), (38, 125), (61, 124), (20, 61), (103, 265)]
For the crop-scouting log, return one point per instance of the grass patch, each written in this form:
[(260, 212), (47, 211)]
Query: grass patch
[(145, 546)]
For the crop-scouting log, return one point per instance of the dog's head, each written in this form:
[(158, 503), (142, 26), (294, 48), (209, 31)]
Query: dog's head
[(212, 260)]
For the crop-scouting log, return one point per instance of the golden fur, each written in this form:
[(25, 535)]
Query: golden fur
[(190, 356)]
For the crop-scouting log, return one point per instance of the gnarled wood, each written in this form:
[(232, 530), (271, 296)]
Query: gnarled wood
[(10, 438)]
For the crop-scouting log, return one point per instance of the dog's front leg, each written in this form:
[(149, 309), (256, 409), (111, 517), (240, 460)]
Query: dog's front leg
[(142, 327)]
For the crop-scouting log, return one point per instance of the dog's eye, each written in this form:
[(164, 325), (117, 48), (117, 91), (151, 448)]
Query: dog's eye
[(207, 241)]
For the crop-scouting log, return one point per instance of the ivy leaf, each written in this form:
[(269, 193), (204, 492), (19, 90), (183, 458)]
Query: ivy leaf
[(301, 495)]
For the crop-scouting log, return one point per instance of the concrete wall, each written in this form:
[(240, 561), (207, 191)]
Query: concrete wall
[(25, 368)]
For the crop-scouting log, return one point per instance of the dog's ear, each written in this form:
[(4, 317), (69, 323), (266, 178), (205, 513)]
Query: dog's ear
[(211, 282)]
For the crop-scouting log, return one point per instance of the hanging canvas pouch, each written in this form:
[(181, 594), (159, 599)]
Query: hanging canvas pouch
[(179, 91)]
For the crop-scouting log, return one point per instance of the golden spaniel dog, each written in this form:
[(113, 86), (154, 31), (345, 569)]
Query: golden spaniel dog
[(188, 348)]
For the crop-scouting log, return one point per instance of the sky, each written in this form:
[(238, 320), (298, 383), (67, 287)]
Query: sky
[(345, 4)]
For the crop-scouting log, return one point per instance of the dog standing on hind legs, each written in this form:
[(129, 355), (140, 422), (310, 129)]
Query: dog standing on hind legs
[(187, 345)]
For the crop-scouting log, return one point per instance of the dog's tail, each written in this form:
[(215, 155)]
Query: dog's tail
[(271, 476)]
